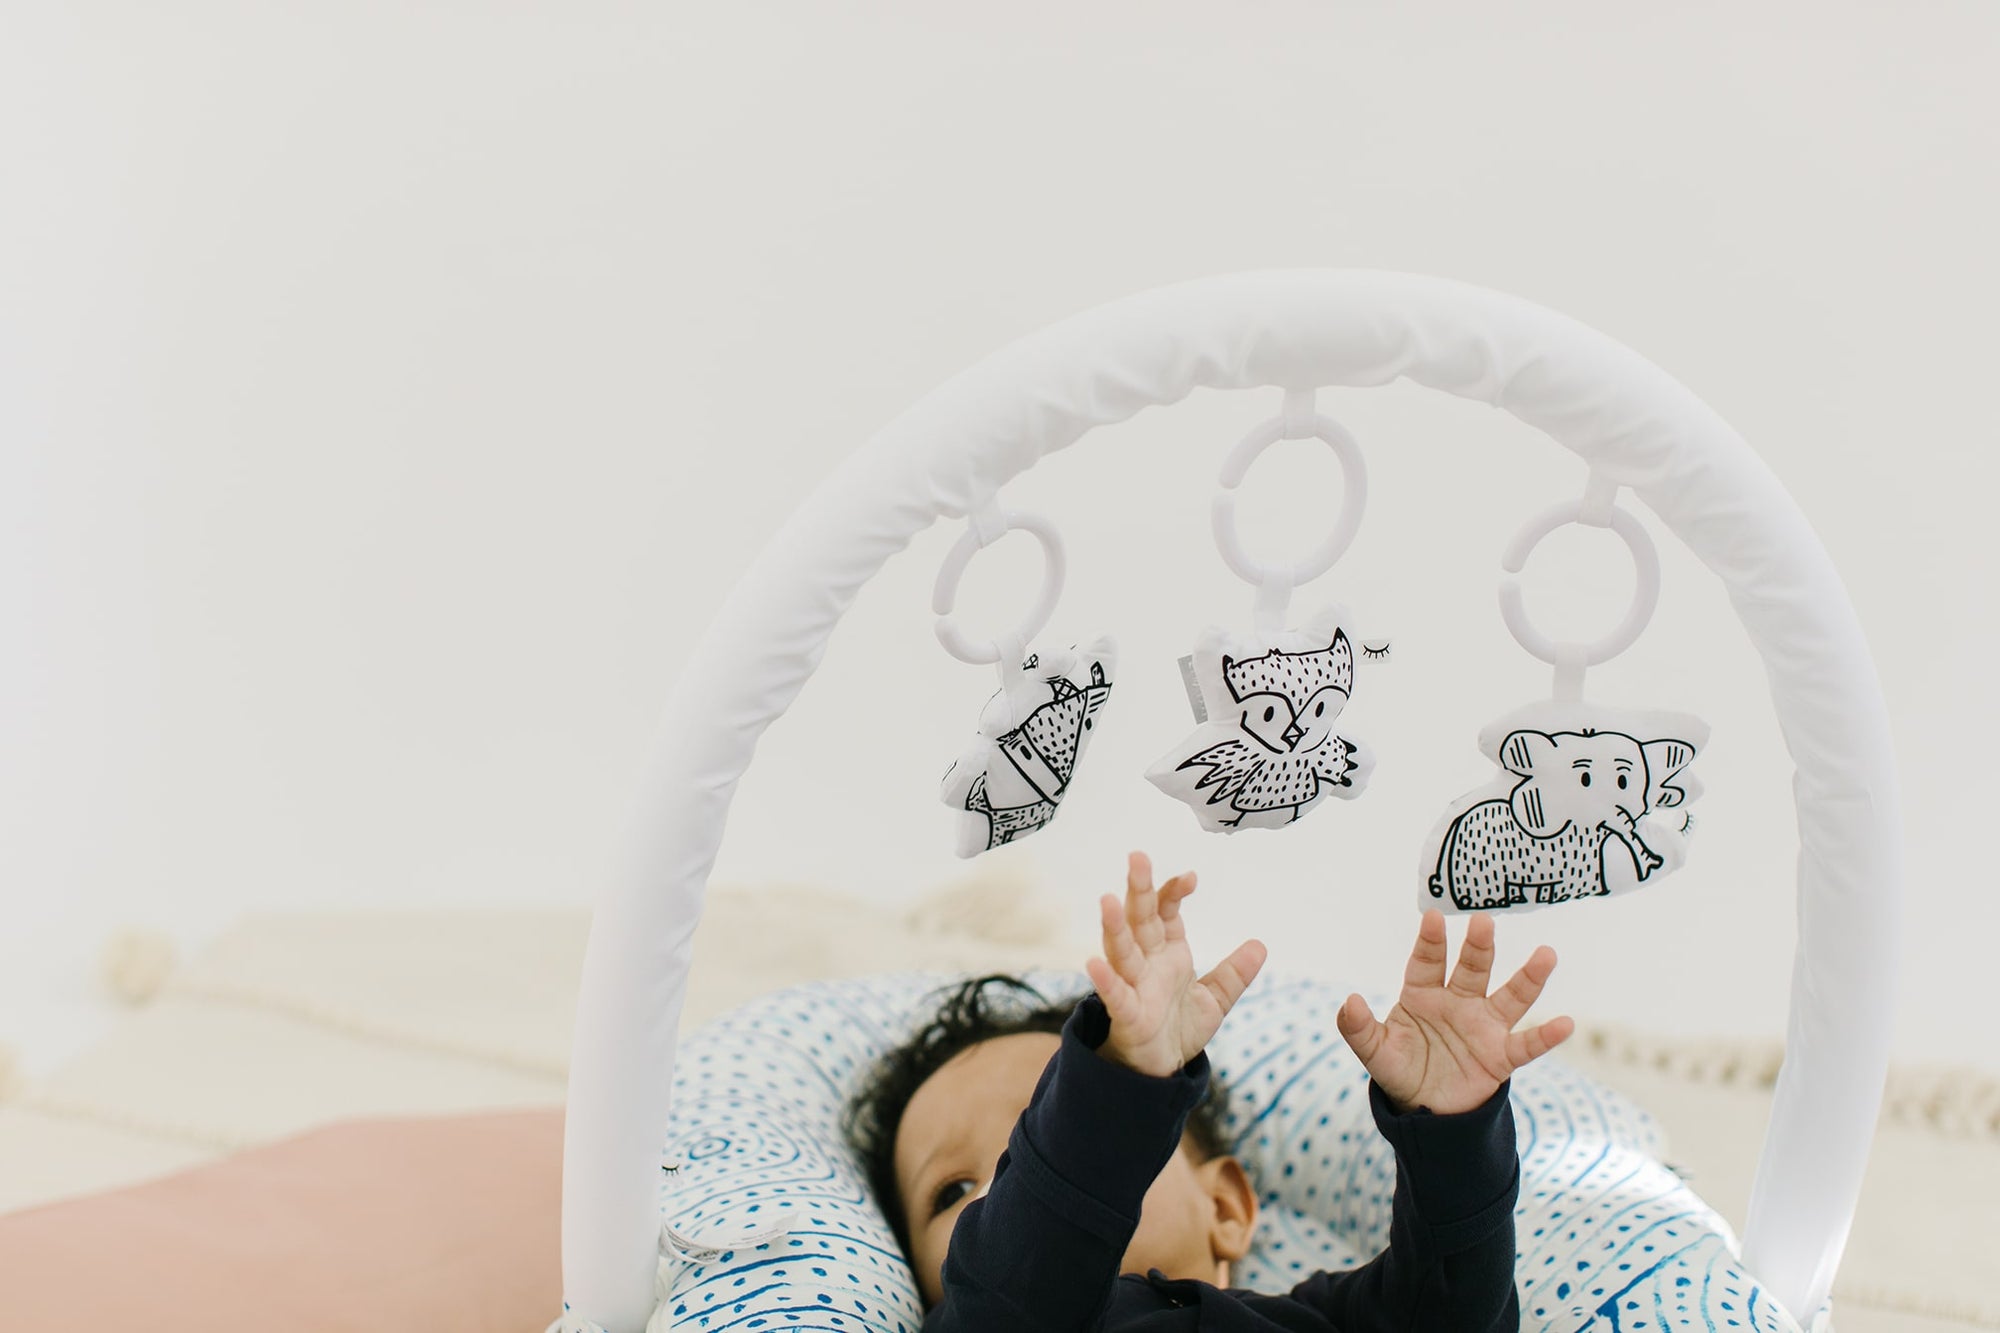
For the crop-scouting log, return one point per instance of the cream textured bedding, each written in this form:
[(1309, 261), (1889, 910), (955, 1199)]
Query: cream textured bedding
[(290, 1021)]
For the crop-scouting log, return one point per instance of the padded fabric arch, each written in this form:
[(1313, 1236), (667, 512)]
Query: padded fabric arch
[(952, 450)]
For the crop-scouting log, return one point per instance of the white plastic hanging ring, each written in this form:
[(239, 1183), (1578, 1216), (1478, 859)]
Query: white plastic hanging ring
[(1355, 499), (1645, 596), (946, 592)]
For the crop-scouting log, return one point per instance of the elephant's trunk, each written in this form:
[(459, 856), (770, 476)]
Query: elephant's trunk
[(1625, 826)]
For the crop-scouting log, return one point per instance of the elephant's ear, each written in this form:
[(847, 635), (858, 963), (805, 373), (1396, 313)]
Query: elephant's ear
[(1664, 761), (1523, 750)]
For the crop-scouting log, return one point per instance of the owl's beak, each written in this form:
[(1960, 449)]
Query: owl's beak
[(1292, 734)]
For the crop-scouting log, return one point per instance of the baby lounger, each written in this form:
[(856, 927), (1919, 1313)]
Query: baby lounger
[(770, 1223), (746, 1099)]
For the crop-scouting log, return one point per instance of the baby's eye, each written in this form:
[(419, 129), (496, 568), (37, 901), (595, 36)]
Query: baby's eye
[(938, 1203)]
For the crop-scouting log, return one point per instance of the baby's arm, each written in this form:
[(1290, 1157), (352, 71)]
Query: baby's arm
[(1449, 1266), (1440, 1067), (1042, 1248)]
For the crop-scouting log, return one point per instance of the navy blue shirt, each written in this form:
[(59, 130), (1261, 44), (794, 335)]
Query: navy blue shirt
[(1040, 1252)]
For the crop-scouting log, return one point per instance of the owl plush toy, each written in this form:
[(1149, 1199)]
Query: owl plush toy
[(1265, 751), (1018, 767)]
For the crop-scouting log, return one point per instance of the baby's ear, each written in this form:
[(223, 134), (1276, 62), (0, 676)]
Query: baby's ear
[(1235, 1199)]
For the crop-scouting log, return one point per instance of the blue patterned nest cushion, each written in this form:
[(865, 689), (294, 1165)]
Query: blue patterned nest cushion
[(1611, 1239)]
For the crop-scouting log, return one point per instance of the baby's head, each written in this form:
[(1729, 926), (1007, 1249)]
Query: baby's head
[(935, 1114)]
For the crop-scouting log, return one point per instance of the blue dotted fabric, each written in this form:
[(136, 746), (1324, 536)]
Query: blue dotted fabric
[(1611, 1240)]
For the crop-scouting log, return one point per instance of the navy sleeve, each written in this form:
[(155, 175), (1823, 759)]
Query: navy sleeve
[(1449, 1265), (1042, 1249)]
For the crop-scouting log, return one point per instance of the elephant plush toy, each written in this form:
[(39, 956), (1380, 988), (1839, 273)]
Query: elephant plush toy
[(1589, 802)]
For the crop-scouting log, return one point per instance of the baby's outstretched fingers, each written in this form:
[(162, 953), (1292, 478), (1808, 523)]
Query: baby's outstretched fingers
[(1120, 999), (1121, 948), (1233, 975), (1533, 1043), (1474, 972), (1143, 902), (1513, 1000), (1359, 1028), (1428, 955), (1171, 895)]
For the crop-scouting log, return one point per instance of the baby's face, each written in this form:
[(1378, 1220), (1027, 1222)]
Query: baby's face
[(955, 1128)]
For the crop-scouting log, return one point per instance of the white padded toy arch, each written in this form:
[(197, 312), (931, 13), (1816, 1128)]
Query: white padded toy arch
[(1291, 329)]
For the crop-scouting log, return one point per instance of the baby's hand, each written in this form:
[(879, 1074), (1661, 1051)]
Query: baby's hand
[(1451, 1047), (1161, 1018)]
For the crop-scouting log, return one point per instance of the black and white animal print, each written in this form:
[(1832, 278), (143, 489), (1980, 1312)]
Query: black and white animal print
[(1029, 767), (1284, 705), (1264, 751), (1578, 804)]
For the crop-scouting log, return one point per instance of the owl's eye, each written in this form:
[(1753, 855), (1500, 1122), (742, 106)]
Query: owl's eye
[(1319, 709), (1586, 779), (1268, 718), (938, 1204)]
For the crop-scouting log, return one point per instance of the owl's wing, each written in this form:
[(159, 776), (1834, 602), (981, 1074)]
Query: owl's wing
[(1229, 766), (1334, 760)]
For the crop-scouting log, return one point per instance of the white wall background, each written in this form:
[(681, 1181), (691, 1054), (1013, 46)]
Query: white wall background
[(390, 394)]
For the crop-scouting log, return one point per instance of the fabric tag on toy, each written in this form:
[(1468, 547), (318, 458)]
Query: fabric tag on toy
[(1590, 801), (1010, 780), (1193, 687), (1264, 751)]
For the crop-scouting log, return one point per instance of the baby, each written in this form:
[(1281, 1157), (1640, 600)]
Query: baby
[(1034, 1168)]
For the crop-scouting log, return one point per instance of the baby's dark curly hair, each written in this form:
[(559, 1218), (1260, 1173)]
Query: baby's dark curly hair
[(966, 1017)]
